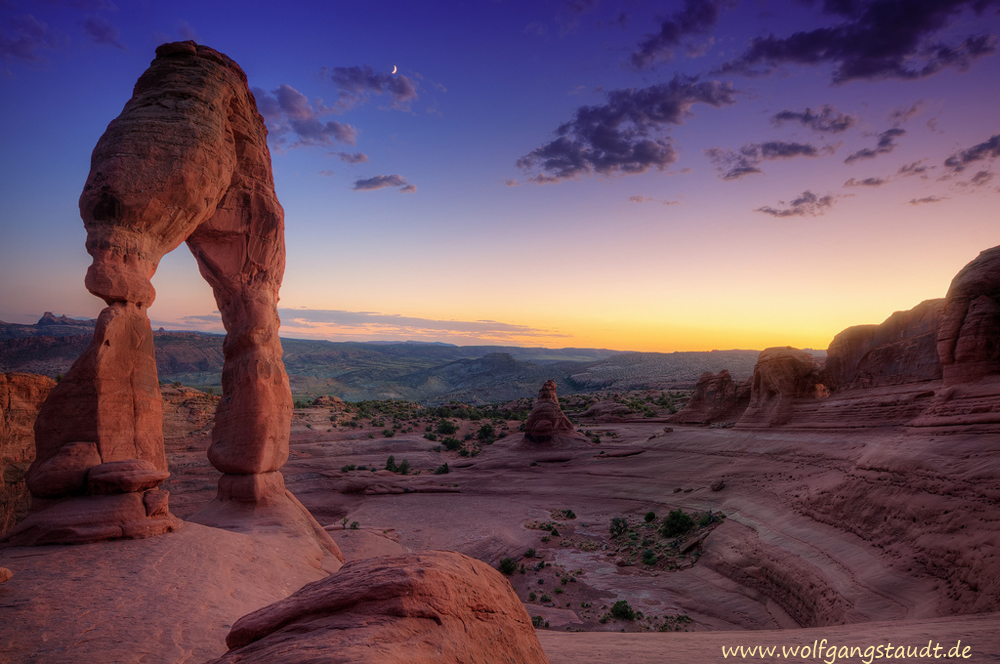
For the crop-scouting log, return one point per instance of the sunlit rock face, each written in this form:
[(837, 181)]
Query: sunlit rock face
[(421, 608), (715, 397), (186, 161), (21, 395)]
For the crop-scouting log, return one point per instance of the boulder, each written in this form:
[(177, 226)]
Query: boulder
[(782, 376), (5, 574), (968, 339), (436, 607)]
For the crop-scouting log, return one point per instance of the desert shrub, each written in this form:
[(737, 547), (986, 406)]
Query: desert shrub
[(390, 464), (650, 516), (555, 533), (442, 469), (486, 433), (431, 437), (622, 611), (463, 452), (649, 557), (355, 525), (537, 621), (570, 514), (387, 433), (507, 566), (558, 591), (532, 596), (530, 553), (348, 468), (404, 468), (546, 598), (676, 523), (707, 518), (446, 427), (451, 444), (619, 526)]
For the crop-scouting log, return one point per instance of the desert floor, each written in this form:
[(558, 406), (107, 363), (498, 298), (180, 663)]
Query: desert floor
[(858, 537)]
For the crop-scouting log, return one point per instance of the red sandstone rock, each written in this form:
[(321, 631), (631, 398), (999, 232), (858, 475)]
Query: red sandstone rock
[(187, 160), (716, 397), (21, 395), (968, 340), (5, 574), (433, 607), (546, 420), (781, 376), (901, 350)]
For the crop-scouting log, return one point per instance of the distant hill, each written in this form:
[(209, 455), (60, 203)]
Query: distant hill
[(425, 372)]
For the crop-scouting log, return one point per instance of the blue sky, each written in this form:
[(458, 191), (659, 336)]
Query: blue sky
[(651, 176)]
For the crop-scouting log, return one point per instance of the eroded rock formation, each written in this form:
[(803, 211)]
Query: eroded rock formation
[(546, 420), (21, 395), (186, 161), (716, 397), (425, 608), (782, 375), (968, 340), (903, 349)]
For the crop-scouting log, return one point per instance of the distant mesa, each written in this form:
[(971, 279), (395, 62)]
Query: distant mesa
[(48, 318), (436, 606)]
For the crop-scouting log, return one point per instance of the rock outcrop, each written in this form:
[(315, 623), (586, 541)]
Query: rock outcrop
[(716, 397), (546, 421), (425, 608), (782, 376), (21, 395), (968, 339), (903, 349), (186, 161)]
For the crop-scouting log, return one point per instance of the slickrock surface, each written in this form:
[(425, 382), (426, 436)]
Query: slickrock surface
[(169, 599), (423, 608), (21, 395)]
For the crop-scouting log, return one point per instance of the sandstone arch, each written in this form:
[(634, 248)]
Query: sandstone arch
[(185, 161)]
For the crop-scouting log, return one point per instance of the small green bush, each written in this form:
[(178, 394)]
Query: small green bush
[(676, 523), (507, 566), (619, 526), (442, 469), (650, 516), (390, 464), (622, 611), (532, 596), (649, 557), (530, 553), (546, 598), (355, 525), (446, 427), (451, 444)]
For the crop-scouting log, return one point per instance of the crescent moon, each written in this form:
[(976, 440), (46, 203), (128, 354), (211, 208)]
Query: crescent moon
[(394, 69)]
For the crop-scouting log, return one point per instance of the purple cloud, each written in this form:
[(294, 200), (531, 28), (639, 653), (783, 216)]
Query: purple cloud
[(290, 116), (736, 164), (806, 204), (358, 83), (382, 181)]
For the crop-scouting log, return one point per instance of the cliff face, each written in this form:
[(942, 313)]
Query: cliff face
[(782, 376), (903, 349), (21, 395), (968, 339), (716, 397)]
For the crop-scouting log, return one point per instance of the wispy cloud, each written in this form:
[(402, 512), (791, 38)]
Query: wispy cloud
[(383, 181), (290, 117), (332, 323), (808, 204), (101, 31), (828, 120), (351, 157), (874, 39), (626, 134), (358, 84), (987, 150), (886, 144), (867, 182), (735, 164), (696, 18), (23, 37), (927, 199)]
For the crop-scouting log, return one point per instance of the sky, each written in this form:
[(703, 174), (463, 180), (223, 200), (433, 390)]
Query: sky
[(654, 176)]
